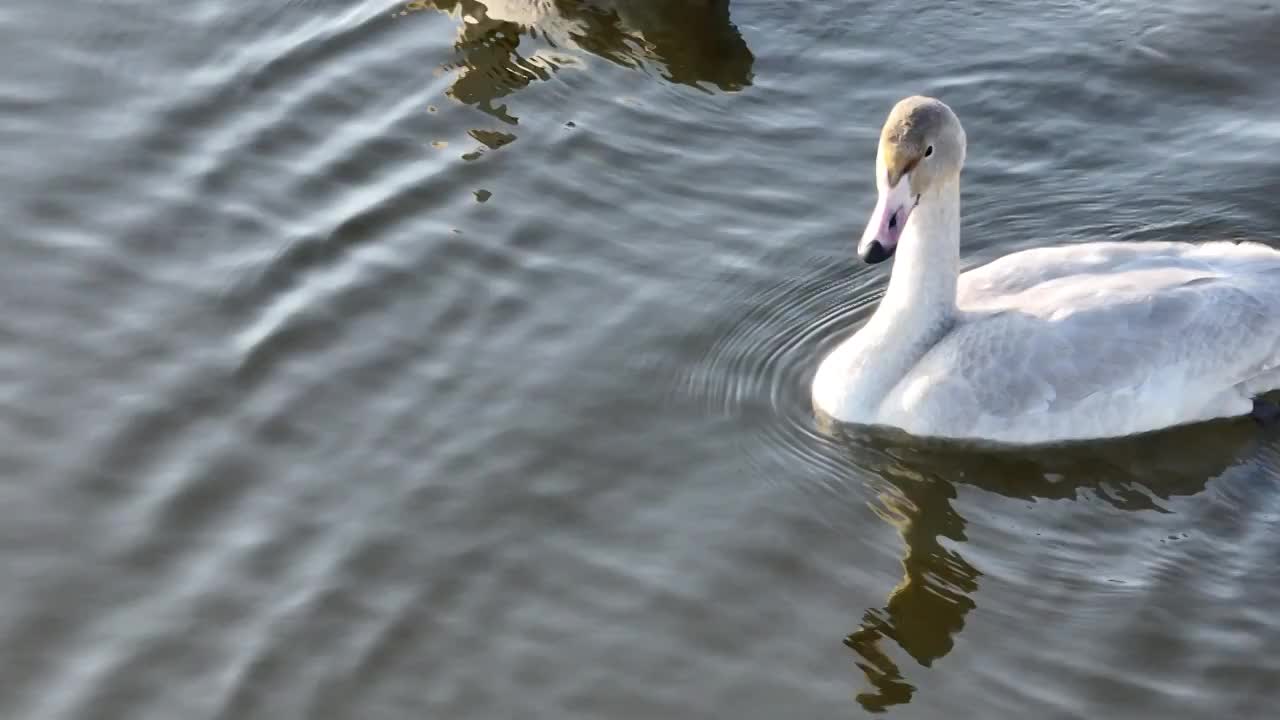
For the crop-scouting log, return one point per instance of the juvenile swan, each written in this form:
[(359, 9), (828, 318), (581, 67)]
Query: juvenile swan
[(1046, 345)]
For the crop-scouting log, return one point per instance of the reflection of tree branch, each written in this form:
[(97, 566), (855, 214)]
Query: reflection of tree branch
[(693, 39), (491, 67)]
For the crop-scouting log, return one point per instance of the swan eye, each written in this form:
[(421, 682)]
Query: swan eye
[(928, 151)]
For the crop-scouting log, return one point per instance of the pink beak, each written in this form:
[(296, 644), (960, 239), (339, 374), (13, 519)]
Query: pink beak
[(894, 206)]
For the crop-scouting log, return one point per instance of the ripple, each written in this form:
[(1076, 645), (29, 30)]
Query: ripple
[(761, 361), (297, 427)]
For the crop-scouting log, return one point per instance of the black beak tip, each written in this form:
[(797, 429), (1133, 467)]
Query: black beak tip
[(875, 253)]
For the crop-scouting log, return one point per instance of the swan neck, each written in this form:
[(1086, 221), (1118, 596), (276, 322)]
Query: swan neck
[(922, 286), (918, 309)]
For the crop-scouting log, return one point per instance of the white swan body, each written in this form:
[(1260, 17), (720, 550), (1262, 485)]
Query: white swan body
[(1047, 345)]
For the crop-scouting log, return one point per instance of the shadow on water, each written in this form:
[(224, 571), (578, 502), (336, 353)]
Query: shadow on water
[(925, 611), (504, 46)]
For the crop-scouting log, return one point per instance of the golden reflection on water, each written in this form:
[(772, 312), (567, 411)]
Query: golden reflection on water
[(503, 46), (927, 608)]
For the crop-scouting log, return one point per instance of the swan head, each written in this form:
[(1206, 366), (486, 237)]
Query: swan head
[(922, 147)]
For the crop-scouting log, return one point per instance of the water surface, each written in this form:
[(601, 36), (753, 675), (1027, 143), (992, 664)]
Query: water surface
[(450, 360)]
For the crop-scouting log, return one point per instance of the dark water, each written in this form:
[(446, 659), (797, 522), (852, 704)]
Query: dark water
[(372, 360)]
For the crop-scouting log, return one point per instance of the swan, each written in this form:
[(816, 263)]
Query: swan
[(1047, 345)]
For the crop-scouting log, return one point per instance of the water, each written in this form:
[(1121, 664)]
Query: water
[(450, 360)]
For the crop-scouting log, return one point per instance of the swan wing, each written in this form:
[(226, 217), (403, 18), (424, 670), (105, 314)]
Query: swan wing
[(1100, 341)]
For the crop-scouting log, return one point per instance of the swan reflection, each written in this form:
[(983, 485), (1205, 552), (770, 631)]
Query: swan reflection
[(924, 612)]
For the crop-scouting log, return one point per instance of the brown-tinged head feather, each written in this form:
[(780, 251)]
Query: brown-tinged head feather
[(904, 138)]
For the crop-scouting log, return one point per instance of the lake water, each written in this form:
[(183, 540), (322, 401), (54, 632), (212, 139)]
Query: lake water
[(450, 360)]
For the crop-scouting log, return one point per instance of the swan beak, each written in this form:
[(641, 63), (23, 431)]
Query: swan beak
[(884, 228)]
